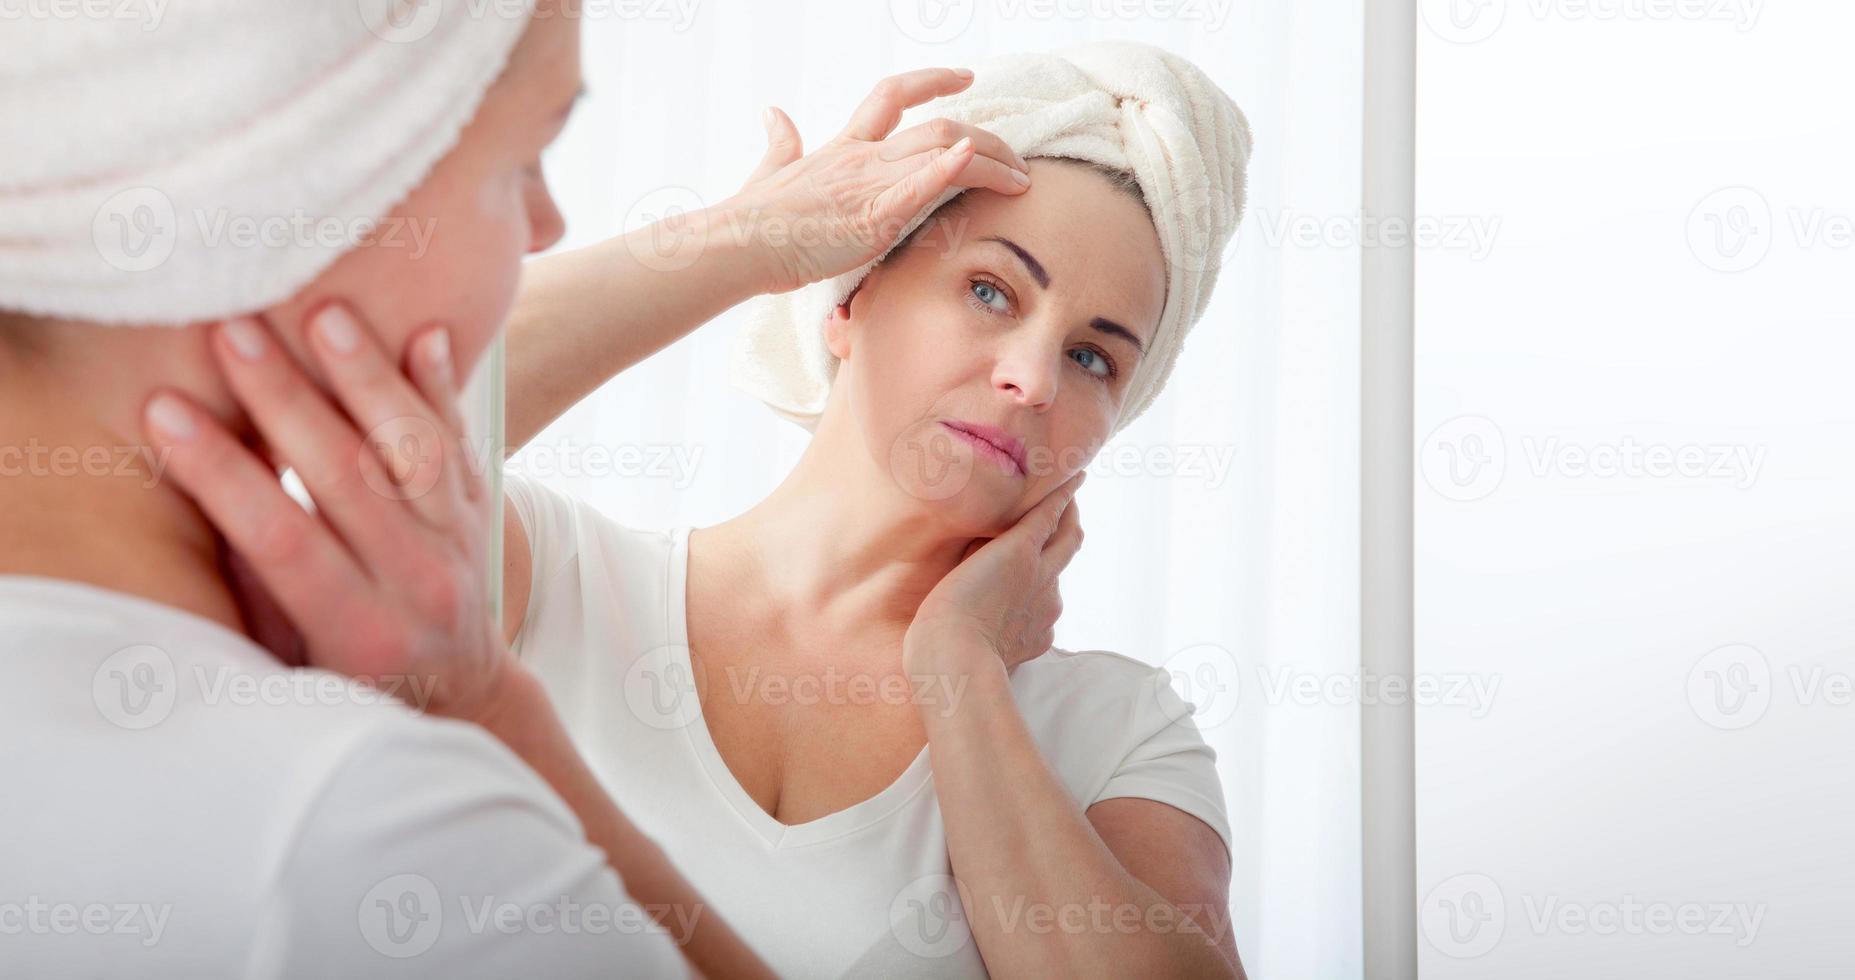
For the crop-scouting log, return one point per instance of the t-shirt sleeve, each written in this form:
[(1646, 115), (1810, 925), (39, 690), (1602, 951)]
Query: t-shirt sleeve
[(548, 518), (1168, 759), (432, 851)]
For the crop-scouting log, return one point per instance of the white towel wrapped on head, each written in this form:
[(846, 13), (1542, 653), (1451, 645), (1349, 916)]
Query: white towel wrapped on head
[(214, 160), (1125, 105)]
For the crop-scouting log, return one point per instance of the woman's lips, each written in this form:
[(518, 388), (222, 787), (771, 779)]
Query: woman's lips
[(1001, 446)]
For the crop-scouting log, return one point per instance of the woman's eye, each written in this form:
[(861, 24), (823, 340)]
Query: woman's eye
[(987, 293), (1093, 362)]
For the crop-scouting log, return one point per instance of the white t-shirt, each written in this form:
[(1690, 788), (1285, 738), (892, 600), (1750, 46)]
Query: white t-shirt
[(174, 802), (861, 892)]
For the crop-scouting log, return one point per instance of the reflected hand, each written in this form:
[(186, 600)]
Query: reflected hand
[(819, 215), (1002, 599)]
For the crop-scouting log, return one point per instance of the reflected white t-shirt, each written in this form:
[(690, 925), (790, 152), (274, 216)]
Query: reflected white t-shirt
[(861, 892), (174, 802)]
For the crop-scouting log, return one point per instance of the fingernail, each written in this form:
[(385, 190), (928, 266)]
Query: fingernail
[(338, 329), (767, 119), (963, 72), (960, 147), (1023, 179), (168, 416), (246, 338)]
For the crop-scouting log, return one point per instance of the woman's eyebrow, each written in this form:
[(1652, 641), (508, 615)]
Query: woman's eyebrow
[(1108, 326), (1035, 268), (1030, 262)]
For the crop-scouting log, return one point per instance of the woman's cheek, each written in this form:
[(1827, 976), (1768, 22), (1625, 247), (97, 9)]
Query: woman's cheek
[(484, 267)]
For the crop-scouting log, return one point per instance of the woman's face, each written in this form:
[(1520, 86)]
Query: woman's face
[(1011, 321), (485, 205)]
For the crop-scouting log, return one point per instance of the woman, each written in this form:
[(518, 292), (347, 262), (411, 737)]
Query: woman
[(1075, 821), (179, 802)]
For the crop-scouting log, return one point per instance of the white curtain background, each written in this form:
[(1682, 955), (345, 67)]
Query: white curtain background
[(1222, 526)]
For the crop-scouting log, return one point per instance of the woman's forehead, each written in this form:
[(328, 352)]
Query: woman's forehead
[(1085, 234)]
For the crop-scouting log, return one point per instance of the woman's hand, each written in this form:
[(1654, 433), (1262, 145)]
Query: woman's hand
[(825, 213), (386, 581), (1001, 600)]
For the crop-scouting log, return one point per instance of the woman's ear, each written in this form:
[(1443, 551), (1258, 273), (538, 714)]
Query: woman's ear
[(837, 330)]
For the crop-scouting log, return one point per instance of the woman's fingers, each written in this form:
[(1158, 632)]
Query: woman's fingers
[(303, 430), (268, 622), (1041, 522), (915, 191), (1066, 541), (993, 176), (296, 558), (396, 422), (430, 366), (783, 144), (941, 133), (882, 109)]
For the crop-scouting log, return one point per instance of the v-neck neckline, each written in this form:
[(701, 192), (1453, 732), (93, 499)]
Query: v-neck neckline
[(851, 819)]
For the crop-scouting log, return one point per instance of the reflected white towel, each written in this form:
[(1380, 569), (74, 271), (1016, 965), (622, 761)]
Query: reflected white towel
[(191, 161), (1122, 104)]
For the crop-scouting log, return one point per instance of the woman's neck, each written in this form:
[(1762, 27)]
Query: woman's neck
[(82, 497), (836, 548)]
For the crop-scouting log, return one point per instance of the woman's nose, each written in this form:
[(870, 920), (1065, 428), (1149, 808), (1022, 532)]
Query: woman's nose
[(1029, 372)]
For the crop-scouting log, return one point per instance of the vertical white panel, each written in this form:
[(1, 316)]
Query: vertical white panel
[(1636, 462)]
